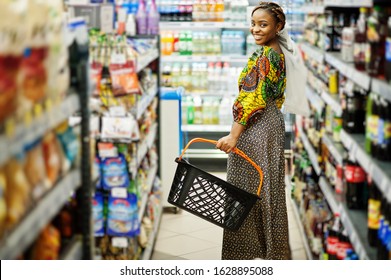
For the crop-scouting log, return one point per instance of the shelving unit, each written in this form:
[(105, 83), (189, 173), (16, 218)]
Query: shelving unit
[(74, 250), (298, 218), (31, 225), (164, 25), (205, 58), (146, 141), (147, 254), (313, 156), (379, 171), (21, 134), (205, 128)]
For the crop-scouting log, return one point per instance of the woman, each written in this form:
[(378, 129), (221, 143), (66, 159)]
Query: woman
[(259, 131)]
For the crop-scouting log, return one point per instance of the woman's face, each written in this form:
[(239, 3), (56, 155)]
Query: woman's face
[(263, 27)]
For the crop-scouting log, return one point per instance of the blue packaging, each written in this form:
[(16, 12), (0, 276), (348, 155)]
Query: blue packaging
[(122, 217), (98, 214), (114, 173)]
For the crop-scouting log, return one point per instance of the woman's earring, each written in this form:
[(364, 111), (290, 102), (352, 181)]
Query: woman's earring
[(278, 33)]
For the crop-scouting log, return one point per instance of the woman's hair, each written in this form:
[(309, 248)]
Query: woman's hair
[(274, 9)]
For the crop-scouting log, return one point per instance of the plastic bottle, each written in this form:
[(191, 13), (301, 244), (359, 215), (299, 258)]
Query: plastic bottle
[(141, 19), (332, 237), (189, 43), (219, 10), (190, 110), (130, 27), (388, 51), (153, 18), (374, 206), (211, 10), (197, 110), (376, 36), (355, 185), (360, 41), (184, 108)]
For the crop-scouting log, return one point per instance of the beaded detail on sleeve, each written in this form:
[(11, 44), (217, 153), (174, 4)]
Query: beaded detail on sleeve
[(262, 80)]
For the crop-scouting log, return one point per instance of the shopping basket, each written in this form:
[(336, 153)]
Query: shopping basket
[(210, 197)]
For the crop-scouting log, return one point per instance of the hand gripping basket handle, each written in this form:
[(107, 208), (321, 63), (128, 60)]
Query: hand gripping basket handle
[(236, 151)]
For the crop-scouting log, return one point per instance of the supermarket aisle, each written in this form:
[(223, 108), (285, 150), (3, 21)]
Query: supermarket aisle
[(183, 236)]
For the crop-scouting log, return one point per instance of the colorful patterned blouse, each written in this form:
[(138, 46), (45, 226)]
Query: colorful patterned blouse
[(262, 80)]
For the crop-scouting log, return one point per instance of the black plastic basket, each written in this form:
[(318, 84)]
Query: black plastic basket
[(210, 197)]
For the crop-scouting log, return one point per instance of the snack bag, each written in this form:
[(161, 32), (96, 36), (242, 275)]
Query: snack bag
[(48, 244), (18, 192), (52, 157), (98, 214), (122, 217), (124, 78), (3, 203), (114, 173), (33, 168)]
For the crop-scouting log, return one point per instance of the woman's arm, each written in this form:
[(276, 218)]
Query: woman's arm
[(227, 143)]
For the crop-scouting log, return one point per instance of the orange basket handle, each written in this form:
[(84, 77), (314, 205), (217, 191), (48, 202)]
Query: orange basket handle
[(236, 151)]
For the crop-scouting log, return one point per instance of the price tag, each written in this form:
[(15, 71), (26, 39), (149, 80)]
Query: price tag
[(117, 111), (119, 192), (118, 58), (106, 18), (119, 242)]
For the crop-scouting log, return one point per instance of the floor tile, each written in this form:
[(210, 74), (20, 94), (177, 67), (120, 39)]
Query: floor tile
[(208, 254), (212, 234), (182, 244), (163, 256), (299, 254), (185, 224), (163, 233)]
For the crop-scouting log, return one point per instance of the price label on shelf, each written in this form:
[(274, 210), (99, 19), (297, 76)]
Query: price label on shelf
[(119, 242), (119, 192)]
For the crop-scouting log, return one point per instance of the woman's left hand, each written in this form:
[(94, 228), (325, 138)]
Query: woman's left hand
[(227, 143)]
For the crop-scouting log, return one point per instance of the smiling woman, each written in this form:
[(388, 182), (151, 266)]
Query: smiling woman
[(259, 131)]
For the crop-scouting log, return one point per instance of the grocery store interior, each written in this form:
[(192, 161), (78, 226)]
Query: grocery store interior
[(99, 99)]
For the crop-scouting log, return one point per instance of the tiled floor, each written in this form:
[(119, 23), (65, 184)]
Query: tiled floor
[(185, 236)]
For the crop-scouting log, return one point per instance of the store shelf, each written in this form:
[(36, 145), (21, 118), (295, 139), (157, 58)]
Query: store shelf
[(299, 222), (205, 153), (145, 101), (74, 251), (205, 58), (146, 144), (335, 149), (354, 221), (206, 128), (313, 52), (28, 229), (144, 200), (348, 3), (169, 25), (348, 70), (145, 59), (24, 134), (310, 150), (382, 88), (151, 240), (379, 171), (315, 99), (333, 102), (313, 9)]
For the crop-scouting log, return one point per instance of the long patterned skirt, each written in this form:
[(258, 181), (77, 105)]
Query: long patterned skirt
[(264, 233)]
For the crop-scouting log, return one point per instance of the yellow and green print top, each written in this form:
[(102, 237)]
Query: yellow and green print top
[(261, 81)]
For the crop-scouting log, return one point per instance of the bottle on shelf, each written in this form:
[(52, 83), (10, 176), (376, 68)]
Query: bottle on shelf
[(356, 194), (332, 237), (353, 110), (388, 51), (153, 18), (376, 37), (141, 18), (343, 244), (374, 126), (384, 131), (360, 41), (383, 253), (374, 206)]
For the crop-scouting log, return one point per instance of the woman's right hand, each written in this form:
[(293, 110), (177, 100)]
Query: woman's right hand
[(227, 143)]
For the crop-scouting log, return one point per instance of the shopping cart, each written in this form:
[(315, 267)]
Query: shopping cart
[(210, 197)]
